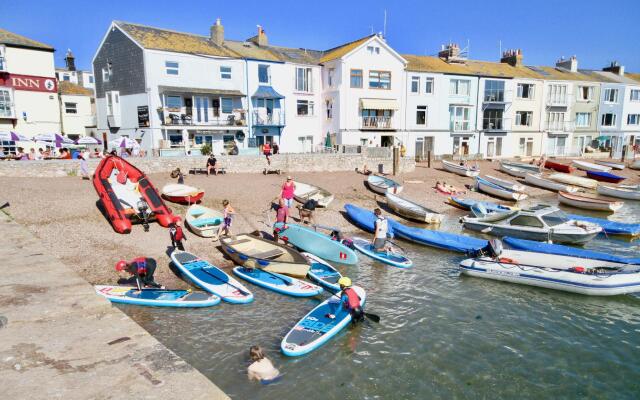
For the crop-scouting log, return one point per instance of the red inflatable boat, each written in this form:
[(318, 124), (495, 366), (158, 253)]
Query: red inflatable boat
[(127, 194), (556, 166)]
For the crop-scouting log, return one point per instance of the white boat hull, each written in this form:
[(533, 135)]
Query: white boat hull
[(537, 180), (574, 180), (513, 171), (588, 205), (411, 210), (516, 187), (499, 192), (587, 166), (618, 192), (459, 169), (305, 192)]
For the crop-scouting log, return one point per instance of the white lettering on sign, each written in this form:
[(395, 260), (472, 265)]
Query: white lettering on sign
[(26, 82)]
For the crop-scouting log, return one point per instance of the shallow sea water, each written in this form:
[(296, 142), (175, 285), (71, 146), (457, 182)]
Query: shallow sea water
[(441, 336)]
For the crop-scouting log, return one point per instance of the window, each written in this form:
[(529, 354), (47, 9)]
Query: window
[(421, 115), (492, 119), (428, 85), (494, 146), (583, 120), (524, 118), (634, 95), (527, 220), (555, 218), (66, 77), (611, 95), (225, 72), (557, 95), (460, 118), (3, 64), (113, 103), (373, 49), (608, 119), (459, 87), (379, 80), (173, 103), (70, 108), (494, 91), (555, 121), (356, 78), (329, 109), (172, 67), (263, 73), (90, 78), (525, 90), (415, 84), (303, 79), (226, 104), (5, 104), (633, 119), (106, 74), (331, 76), (526, 146), (585, 93), (305, 107)]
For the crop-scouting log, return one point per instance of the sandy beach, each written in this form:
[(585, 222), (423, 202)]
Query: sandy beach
[(62, 213)]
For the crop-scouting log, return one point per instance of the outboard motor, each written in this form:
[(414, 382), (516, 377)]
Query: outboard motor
[(494, 248), (143, 207)]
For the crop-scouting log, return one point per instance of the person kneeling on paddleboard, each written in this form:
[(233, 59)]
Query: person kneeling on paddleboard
[(142, 269), (350, 301)]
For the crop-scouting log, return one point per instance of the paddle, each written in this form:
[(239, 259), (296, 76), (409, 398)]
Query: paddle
[(227, 282), (374, 317)]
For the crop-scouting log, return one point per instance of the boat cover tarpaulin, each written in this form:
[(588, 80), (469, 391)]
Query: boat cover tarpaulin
[(489, 206), (558, 249), (610, 227), (449, 241)]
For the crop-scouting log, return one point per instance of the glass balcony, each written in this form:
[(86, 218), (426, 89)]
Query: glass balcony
[(378, 122)]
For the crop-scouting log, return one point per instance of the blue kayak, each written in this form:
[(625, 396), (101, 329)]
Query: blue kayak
[(449, 241), (211, 278), (466, 204), (277, 282), (156, 297), (317, 327), (366, 247), (605, 176), (316, 243), (610, 227), (541, 247), (323, 273)]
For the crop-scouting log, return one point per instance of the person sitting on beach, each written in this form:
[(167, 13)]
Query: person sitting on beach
[(176, 173), (228, 212), (142, 268), (177, 235), (211, 164), (64, 154), (365, 170), (40, 154), (350, 301), (32, 154), (266, 150), (2, 153), (261, 368), (21, 155)]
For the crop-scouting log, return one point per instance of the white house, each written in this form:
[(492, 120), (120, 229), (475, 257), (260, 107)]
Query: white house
[(28, 88), (70, 74), (77, 110)]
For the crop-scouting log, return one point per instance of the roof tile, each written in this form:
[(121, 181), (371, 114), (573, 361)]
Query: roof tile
[(10, 38)]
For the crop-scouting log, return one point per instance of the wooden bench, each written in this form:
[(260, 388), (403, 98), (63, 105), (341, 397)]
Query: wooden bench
[(195, 171)]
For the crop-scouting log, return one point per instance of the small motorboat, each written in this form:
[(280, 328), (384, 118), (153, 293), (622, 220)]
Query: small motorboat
[(381, 185), (462, 170), (267, 255), (182, 194), (204, 221), (306, 191), (525, 166), (540, 181), (515, 171), (498, 191), (574, 180), (516, 187), (587, 166), (589, 203), (570, 274), (541, 222), (613, 165), (412, 210), (605, 177), (556, 166)]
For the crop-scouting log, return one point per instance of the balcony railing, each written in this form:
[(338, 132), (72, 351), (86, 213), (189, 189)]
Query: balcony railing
[(460, 126), (493, 96), (559, 126), (496, 124), (376, 123), (557, 100), (275, 119), (174, 118)]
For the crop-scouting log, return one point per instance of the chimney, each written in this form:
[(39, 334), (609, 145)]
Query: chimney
[(451, 53), (512, 57), (261, 38), (70, 61), (217, 33), (570, 65), (615, 68)]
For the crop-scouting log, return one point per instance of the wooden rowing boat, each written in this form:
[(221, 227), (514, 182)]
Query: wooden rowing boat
[(516, 187), (540, 181), (381, 185), (574, 180), (204, 221), (461, 170), (514, 171), (306, 191), (556, 166), (619, 192), (412, 210), (605, 177), (183, 194), (498, 191), (587, 166), (589, 203)]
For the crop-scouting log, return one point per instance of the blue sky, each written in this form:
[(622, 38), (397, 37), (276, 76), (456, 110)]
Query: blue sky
[(597, 32)]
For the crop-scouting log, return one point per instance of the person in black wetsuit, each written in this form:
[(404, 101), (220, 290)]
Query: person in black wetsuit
[(142, 268)]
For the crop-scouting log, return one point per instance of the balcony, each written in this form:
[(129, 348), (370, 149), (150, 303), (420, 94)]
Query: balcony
[(560, 100), (176, 117), (378, 122), (494, 96), (460, 126), (268, 119), (559, 126), (496, 124)]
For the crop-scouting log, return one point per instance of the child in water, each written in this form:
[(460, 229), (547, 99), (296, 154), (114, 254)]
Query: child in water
[(261, 369)]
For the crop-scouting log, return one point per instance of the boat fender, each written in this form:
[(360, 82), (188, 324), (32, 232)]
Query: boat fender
[(263, 263), (578, 269), (507, 260)]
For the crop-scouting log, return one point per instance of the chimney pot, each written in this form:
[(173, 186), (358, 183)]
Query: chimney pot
[(217, 33), (570, 64), (512, 57)]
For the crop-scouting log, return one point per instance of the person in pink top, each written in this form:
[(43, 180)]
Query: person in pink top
[(282, 213), (288, 188)]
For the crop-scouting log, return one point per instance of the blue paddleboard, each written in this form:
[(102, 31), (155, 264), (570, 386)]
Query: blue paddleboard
[(277, 282), (156, 297), (323, 273), (316, 243), (366, 247)]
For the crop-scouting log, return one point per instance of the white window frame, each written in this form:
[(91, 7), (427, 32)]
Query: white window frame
[(529, 118), (172, 68), (113, 103), (415, 85), (379, 77), (7, 111), (588, 119), (329, 104), (590, 91), (558, 94), (636, 119), (607, 95), (3, 59), (455, 85), (522, 146), (428, 85), (422, 110), (70, 107), (635, 92), (604, 117), (520, 91), (460, 124), (268, 69), (304, 79), (310, 108), (226, 72), (106, 74)]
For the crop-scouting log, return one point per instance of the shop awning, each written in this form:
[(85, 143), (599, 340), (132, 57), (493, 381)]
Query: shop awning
[(215, 92), (379, 104), (267, 92)]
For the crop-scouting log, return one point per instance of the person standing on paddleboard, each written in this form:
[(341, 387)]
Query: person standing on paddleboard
[(350, 301), (381, 231), (142, 268)]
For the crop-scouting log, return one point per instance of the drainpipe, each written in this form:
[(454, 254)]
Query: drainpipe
[(249, 105), (478, 116)]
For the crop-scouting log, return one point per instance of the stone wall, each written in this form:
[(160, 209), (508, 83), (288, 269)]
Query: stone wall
[(233, 164)]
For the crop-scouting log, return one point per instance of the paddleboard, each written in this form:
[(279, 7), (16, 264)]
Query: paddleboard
[(278, 283), (366, 247), (156, 297), (316, 243), (322, 272), (211, 278), (316, 328)]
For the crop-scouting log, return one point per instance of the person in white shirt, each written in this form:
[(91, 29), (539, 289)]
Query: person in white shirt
[(261, 369), (381, 231)]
